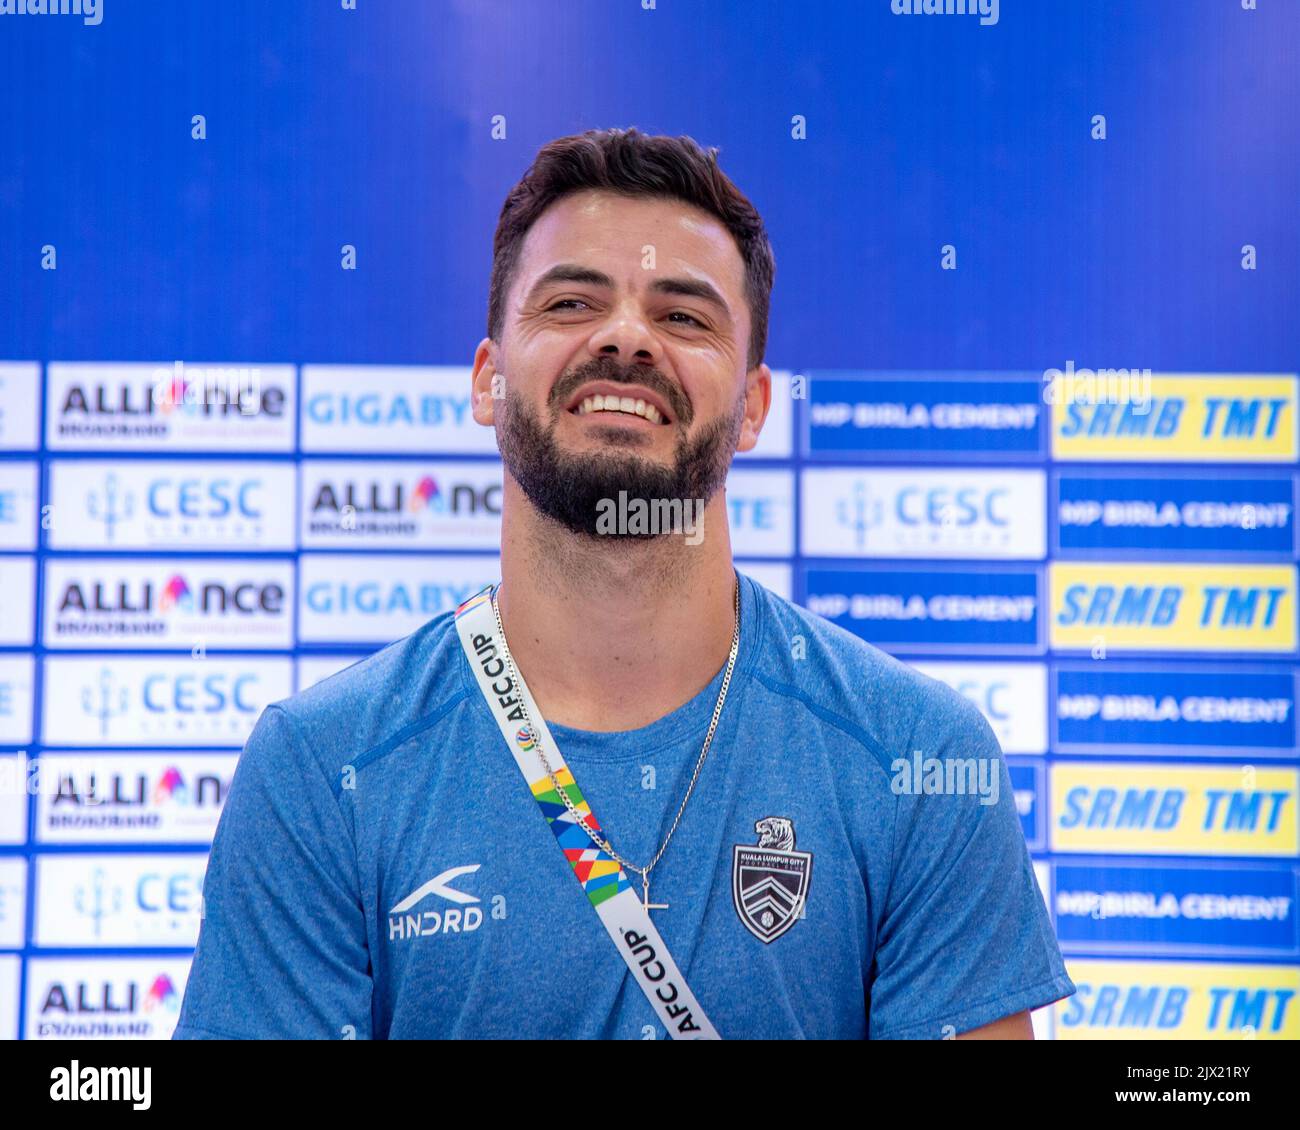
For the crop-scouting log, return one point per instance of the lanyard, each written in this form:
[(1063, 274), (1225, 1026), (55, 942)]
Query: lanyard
[(601, 877)]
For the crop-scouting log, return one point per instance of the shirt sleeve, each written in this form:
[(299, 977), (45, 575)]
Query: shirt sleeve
[(965, 937), (282, 950)]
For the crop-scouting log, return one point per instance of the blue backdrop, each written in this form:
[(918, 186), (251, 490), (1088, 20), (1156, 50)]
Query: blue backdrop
[(871, 142)]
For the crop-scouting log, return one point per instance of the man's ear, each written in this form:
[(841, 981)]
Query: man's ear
[(487, 383), (758, 399)]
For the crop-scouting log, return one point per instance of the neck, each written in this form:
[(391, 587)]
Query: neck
[(614, 633)]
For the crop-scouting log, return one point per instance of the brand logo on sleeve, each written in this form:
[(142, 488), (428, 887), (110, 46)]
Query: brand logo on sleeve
[(769, 883)]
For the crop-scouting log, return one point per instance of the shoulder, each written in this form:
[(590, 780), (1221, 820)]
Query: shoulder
[(397, 692), (888, 706)]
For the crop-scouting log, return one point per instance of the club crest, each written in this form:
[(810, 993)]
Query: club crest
[(769, 882)]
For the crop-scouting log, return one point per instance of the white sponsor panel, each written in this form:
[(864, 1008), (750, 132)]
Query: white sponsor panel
[(10, 981), (104, 998), (169, 405), (955, 512), (14, 791), (1012, 696), (196, 603), (103, 900), (778, 578), (378, 598), (776, 440), (168, 797), (18, 504), (390, 504), (312, 669), (10, 986), (13, 901), (17, 674), (391, 408), (172, 504), (165, 700), (760, 513), (17, 599), (19, 405)]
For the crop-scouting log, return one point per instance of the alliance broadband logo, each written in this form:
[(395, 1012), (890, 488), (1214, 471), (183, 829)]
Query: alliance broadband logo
[(91, 11)]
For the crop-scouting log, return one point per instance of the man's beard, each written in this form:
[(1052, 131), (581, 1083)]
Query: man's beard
[(574, 490)]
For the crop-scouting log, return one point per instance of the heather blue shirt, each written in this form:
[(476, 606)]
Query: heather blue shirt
[(922, 916)]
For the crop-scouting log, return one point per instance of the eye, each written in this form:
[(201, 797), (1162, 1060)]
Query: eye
[(565, 302), (690, 317)]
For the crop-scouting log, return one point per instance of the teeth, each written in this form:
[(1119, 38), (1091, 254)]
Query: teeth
[(599, 403)]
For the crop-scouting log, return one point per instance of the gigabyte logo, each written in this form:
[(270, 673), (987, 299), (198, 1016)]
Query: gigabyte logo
[(769, 883), (404, 922)]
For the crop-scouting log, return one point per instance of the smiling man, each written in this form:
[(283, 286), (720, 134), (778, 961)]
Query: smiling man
[(627, 792)]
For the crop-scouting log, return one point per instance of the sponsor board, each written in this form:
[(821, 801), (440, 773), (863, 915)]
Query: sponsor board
[(17, 608), (951, 417), (1027, 785), (1174, 908), (932, 609), (394, 409), (170, 797), (118, 900), (1107, 808), (171, 504), (1179, 1000), (13, 902), (378, 598), (18, 506), (923, 513), (1178, 709), (1183, 417), (171, 405), (167, 700), (1175, 607), (104, 998), (197, 603), (390, 504), (19, 405), (1168, 513), (760, 512), (17, 692), (13, 798)]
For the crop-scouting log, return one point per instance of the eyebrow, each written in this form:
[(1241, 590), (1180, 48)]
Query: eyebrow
[(685, 287)]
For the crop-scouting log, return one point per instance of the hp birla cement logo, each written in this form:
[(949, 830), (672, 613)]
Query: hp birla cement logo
[(769, 883)]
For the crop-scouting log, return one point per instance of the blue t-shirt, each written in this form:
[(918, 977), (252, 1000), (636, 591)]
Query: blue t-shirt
[(381, 869)]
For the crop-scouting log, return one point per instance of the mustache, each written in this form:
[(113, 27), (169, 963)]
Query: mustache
[(607, 369)]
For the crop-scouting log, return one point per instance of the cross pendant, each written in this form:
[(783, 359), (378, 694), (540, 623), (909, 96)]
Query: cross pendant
[(646, 904)]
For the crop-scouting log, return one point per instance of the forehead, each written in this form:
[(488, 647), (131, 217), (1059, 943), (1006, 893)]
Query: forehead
[(610, 231)]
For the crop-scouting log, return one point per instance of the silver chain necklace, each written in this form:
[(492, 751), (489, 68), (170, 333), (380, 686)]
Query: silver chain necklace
[(644, 872)]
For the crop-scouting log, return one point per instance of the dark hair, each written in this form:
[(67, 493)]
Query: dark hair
[(635, 164)]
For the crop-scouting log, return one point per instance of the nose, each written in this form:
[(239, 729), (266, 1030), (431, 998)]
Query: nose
[(626, 335)]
